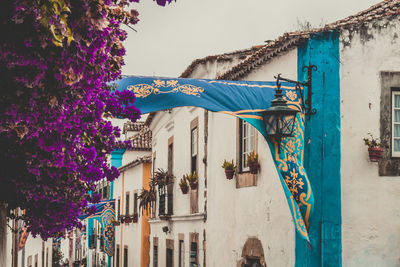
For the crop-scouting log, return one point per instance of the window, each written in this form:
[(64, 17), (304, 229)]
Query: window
[(135, 200), (170, 154), (193, 149), (125, 256), (42, 254), (155, 256), (119, 208), (169, 252), (395, 123), (154, 206), (170, 187), (47, 257), (127, 204), (246, 141), (193, 254), (247, 144), (389, 165), (117, 256), (169, 257), (194, 138), (36, 260), (181, 253), (193, 249), (30, 261)]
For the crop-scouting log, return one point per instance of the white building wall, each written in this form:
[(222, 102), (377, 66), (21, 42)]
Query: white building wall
[(129, 234), (176, 123), (370, 210), (235, 214)]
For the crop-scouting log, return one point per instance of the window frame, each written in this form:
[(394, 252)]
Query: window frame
[(242, 139), (135, 202), (127, 206), (394, 91), (194, 163)]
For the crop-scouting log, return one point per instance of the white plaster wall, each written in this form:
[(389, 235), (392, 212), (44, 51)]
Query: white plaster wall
[(370, 210), (177, 123), (131, 233), (131, 155), (185, 226), (286, 64), (235, 214)]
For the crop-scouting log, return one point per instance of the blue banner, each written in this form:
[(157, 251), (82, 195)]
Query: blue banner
[(105, 215), (245, 100)]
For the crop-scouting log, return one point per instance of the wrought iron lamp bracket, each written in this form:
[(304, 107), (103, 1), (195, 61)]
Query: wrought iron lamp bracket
[(306, 103)]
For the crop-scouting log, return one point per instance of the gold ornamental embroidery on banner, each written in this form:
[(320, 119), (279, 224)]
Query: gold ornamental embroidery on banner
[(159, 86)]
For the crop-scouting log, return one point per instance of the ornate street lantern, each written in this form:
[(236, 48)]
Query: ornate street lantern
[(279, 119)]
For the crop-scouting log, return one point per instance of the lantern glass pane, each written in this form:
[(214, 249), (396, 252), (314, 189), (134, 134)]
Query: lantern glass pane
[(287, 125), (271, 125)]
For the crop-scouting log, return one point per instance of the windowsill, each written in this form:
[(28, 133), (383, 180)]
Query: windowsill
[(176, 218), (246, 179)]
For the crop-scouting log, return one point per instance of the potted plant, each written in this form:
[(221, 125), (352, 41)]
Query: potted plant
[(128, 219), (252, 162), (193, 180), (135, 218), (115, 223), (375, 148), (184, 185), (146, 198), (162, 178), (229, 169)]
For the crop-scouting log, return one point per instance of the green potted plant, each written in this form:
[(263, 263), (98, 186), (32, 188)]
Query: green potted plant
[(162, 178), (193, 180), (184, 185), (229, 169), (146, 198), (252, 162), (375, 148)]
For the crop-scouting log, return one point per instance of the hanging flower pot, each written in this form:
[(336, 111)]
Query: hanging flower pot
[(184, 189), (375, 148), (375, 153), (252, 161), (229, 174), (254, 168), (193, 180), (184, 185), (193, 185), (229, 169)]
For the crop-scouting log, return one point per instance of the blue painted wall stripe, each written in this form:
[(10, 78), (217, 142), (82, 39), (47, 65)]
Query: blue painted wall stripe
[(322, 152)]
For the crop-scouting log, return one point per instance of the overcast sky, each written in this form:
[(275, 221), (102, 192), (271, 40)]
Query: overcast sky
[(169, 38)]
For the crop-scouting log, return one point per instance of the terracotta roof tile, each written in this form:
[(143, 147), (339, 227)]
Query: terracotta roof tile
[(142, 140), (137, 161), (259, 55), (290, 40), (133, 126)]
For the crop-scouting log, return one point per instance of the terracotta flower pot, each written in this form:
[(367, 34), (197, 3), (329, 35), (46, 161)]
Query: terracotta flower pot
[(254, 168), (375, 153), (229, 174), (193, 185), (184, 189)]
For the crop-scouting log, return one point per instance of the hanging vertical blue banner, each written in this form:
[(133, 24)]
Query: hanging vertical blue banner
[(245, 100), (105, 215)]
